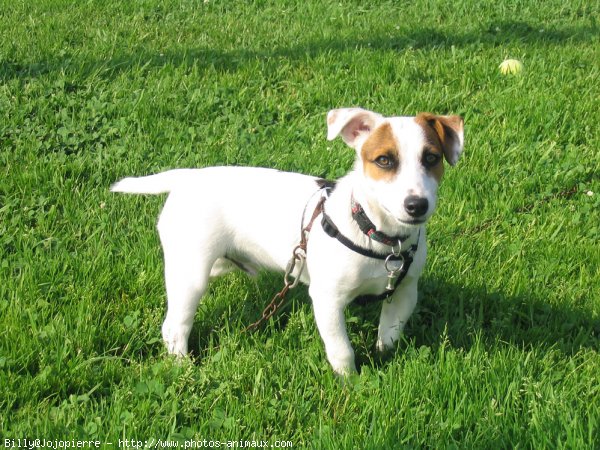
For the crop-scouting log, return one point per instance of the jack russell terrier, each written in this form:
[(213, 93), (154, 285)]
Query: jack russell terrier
[(371, 242)]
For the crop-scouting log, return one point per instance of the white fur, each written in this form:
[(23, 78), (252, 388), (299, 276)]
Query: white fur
[(252, 216)]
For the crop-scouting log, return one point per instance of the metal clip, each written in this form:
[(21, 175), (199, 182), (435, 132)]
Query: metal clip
[(393, 273), (391, 283)]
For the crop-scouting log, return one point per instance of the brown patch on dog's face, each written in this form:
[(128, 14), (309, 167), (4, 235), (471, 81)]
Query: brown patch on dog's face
[(380, 154), (431, 158), (433, 151), (449, 131)]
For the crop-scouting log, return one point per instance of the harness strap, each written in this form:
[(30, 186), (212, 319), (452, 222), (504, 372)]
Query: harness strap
[(305, 230), (332, 230)]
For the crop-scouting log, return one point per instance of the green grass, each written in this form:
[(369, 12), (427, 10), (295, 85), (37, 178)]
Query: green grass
[(502, 351)]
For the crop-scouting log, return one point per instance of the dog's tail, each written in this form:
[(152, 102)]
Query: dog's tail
[(152, 184)]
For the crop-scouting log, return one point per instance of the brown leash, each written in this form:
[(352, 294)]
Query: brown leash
[(298, 257)]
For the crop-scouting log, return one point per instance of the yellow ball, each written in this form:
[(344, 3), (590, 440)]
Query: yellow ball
[(510, 66)]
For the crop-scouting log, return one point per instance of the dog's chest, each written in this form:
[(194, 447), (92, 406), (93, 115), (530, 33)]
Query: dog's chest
[(372, 286), (369, 277)]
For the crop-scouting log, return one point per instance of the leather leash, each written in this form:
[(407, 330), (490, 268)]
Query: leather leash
[(298, 257)]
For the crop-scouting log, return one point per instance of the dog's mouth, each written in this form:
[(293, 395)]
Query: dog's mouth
[(411, 221), (406, 222)]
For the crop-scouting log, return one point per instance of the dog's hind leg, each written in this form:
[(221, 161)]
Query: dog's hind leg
[(186, 279), (190, 252)]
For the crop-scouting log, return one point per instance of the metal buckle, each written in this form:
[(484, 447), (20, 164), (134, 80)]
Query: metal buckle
[(300, 257)]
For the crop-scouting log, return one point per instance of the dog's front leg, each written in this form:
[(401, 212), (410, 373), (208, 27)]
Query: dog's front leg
[(329, 315), (395, 314)]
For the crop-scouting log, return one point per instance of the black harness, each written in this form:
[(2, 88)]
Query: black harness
[(395, 276)]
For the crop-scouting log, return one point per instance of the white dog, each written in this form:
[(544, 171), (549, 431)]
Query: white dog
[(371, 241)]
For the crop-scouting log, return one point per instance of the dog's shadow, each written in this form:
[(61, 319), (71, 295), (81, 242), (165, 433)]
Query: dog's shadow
[(460, 315)]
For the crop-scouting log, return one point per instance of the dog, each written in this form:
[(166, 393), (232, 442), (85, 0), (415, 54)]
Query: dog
[(371, 242)]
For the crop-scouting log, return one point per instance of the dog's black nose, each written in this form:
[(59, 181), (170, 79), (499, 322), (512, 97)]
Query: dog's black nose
[(416, 206)]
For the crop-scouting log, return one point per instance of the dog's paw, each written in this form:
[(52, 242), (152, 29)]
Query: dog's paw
[(346, 373), (175, 340), (343, 367), (350, 381), (384, 346)]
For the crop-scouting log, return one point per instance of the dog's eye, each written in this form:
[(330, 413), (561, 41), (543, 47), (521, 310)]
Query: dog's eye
[(385, 162), (431, 159)]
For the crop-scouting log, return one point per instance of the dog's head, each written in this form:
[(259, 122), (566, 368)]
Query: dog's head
[(399, 158)]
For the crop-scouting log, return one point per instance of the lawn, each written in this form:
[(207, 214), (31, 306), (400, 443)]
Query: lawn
[(503, 349)]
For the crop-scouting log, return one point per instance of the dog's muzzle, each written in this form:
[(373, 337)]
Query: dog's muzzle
[(415, 206)]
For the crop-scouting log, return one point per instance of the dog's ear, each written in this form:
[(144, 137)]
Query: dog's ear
[(450, 131), (351, 123)]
